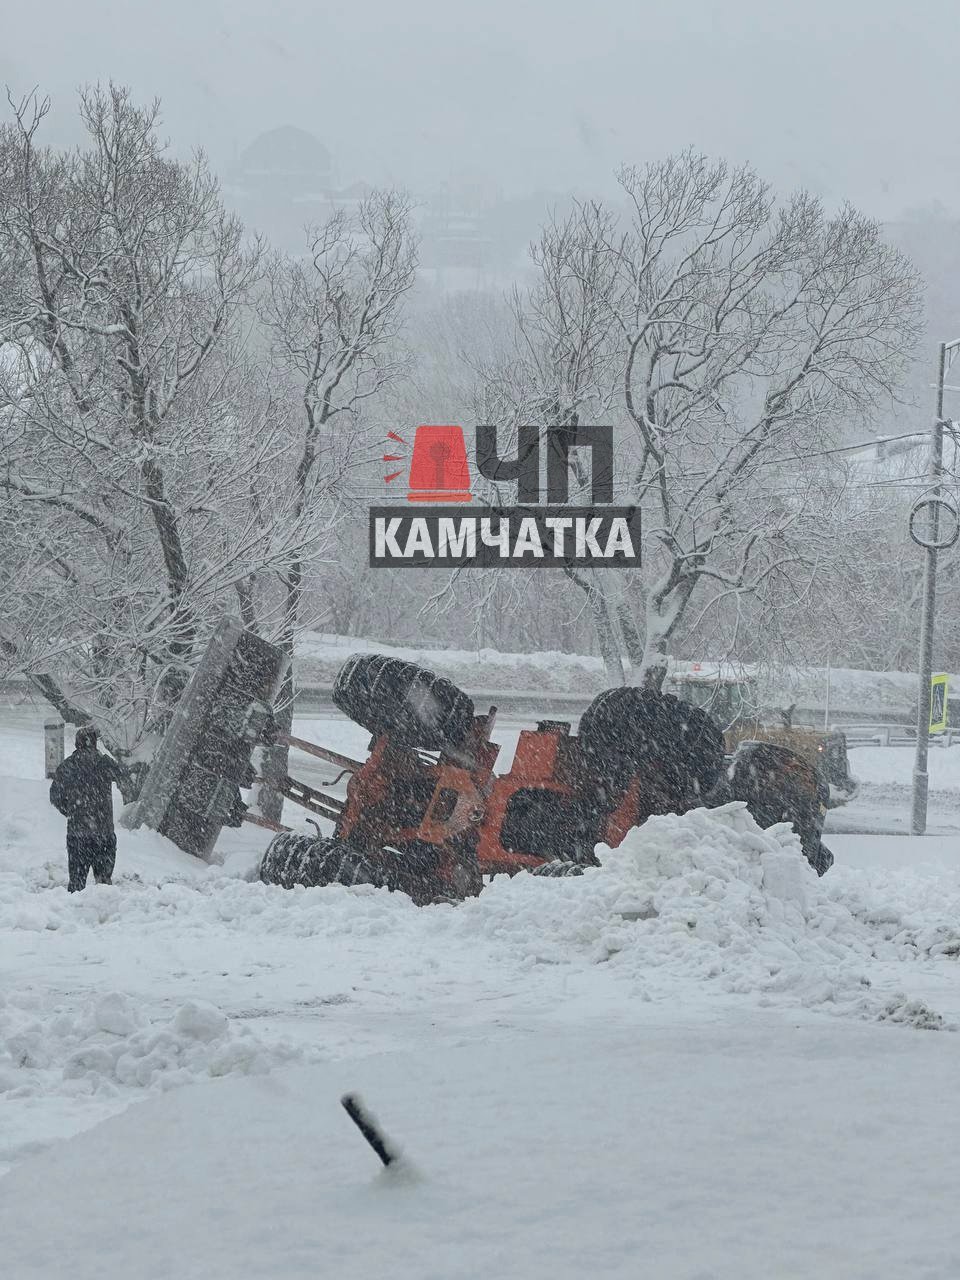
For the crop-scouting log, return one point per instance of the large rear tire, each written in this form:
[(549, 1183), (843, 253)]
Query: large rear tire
[(414, 706), (821, 859), (629, 731), (313, 861), (703, 746), (417, 869), (549, 824), (615, 731)]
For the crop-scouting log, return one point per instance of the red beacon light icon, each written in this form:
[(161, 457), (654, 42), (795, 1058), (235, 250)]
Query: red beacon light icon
[(439, 471)]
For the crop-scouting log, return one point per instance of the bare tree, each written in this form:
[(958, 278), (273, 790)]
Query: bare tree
[(751, 331), (334, 319), (562, 371), (745, 335), (126, 439)]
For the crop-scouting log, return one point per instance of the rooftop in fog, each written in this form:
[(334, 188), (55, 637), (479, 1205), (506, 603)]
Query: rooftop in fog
[(286, 149)]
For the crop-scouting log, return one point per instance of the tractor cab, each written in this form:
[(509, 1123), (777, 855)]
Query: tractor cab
[(730, 700), (734, 703)]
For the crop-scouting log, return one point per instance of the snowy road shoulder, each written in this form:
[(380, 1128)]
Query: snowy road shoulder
[(756, 1152)]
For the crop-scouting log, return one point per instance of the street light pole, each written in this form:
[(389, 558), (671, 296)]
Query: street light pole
[(918, 823)]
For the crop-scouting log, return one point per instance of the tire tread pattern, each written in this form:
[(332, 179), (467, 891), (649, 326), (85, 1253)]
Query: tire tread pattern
[(415, 706)]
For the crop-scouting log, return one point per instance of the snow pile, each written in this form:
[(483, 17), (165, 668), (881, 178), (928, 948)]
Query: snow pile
[(319, 657), (108, 1045), (704, 901), (710, 896), (209, 905)]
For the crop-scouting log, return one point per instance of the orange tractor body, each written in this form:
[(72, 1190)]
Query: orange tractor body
[(425, 813), (454, 804)]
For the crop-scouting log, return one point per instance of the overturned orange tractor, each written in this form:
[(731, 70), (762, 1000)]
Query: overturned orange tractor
[(426, 813)]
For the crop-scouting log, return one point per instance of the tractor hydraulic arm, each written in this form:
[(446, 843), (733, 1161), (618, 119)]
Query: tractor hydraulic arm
[(323, 753)]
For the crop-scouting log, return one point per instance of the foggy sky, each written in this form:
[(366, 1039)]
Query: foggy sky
[(853, 99)]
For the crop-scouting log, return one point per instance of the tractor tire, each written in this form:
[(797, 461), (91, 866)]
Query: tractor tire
[(414, 706), (617, 732), (558, 868), (777, 785), (821, 859), (467, 877), (703, 746), (628, 731), (417, 869), (549, 824), (313, 861)]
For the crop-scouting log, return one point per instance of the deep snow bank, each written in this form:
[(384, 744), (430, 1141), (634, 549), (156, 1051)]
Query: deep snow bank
[(707, 896), (854, 694), (319, 656), (711, 896), (688, 909)]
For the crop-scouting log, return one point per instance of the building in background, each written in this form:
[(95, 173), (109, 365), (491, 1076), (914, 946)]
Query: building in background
[(285, 181), (472, 239)]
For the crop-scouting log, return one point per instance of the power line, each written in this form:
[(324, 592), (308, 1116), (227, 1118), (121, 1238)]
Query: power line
[(846, 448)]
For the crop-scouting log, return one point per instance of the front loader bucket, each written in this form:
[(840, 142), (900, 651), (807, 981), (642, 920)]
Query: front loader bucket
[(192, 788)]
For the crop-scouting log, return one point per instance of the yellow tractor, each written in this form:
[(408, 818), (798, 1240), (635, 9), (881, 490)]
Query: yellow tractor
[(734, 703)]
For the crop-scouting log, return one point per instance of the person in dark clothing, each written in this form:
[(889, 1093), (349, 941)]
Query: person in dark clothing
[(82, 790)]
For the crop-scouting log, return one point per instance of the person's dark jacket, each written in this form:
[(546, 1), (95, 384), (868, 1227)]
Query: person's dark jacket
[(82, 790)]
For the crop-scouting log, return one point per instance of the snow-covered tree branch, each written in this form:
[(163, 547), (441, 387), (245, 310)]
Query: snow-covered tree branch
[(334, 319), (130, 419)]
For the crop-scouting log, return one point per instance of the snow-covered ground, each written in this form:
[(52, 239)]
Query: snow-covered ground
[(695, 1061)]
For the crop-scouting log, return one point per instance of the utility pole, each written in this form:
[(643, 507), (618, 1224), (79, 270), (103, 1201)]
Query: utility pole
[(930, 505)]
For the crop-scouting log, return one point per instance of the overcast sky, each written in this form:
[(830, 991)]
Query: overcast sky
[(852, 98)]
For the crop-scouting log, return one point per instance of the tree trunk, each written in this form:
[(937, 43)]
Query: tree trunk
[(180, 648), (605, 628), (607, 637), (654, 669), (632, 639), (664, 611), (71, 713), (275, 759)]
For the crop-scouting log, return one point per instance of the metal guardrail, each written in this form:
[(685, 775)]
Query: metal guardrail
[(894, 735)]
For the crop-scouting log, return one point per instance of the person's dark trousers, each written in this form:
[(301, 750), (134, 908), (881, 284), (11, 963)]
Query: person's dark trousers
[(88, 852)]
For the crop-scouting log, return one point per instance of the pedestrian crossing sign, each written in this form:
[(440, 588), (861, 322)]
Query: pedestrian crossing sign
[(938, 704)]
